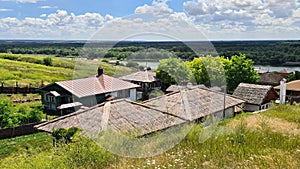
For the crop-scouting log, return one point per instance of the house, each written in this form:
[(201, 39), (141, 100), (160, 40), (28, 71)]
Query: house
[(146, 79), (270, 78), (67, 96), (195, 104), (292, 91), (124, 116), (257, 97)]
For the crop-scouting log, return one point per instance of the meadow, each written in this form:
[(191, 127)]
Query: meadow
[(270, 139), (29, 69)]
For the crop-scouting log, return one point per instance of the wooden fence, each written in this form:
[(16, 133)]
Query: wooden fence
[(18, 131), (18, 90)]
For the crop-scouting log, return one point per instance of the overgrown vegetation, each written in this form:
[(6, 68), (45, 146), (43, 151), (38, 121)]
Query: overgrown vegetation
[(11, 115), (245, 141)]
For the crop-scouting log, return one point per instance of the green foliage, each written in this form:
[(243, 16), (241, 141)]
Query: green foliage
[(239, 69), (47, 61), (62, 135), (208, 71), (173, 71), (294, 76), (81, 153), (13, 116)]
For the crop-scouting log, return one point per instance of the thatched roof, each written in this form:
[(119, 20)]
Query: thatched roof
[(140, 76), (121, 115), (253, 93), (291, 86), (270, 78), (192, 104)]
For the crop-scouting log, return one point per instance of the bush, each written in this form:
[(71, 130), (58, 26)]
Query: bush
[(132, 64), (48, 61)]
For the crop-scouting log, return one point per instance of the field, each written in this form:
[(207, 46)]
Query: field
[(28, 69), (270, 139)]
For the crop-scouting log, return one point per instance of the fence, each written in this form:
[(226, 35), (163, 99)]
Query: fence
[(17, 89), (18, 131)]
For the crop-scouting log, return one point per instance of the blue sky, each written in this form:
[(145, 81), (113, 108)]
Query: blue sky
[(216, 19)]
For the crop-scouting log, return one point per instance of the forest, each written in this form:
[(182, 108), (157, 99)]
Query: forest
[(287, 53)]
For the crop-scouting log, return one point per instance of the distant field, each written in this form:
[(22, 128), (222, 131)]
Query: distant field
[(28, 69), (270, 139)]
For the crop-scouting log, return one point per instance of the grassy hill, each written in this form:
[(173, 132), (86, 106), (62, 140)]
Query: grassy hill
[(270, 139), (29, 69)]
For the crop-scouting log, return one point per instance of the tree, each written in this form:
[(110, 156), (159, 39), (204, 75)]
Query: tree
[(238, 70), (208, 71), (7, 116), (173, 71)]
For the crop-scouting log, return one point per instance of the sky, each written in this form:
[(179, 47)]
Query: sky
[(175, 19)]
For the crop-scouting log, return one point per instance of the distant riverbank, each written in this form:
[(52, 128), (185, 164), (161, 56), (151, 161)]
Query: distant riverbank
[(154, 65)]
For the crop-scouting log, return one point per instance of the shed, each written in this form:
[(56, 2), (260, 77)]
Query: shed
[(257, 97), (270, 78)]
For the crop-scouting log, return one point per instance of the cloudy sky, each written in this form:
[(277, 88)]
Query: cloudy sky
[(215, 19)]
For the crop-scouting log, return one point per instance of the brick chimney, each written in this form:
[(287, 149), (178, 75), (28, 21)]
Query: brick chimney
[(100, 71)]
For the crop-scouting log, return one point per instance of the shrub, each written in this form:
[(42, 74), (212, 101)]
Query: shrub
[(48, 61)]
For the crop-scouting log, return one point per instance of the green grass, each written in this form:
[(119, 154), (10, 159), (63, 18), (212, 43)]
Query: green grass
[(19, 145), (31, 73), (235, 143)]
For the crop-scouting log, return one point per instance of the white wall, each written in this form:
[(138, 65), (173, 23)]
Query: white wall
[(132, 94)]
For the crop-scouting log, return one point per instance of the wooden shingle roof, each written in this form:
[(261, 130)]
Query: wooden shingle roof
[(192, 104), (253, 93), (270, 78), (140, 76), (121, 115)]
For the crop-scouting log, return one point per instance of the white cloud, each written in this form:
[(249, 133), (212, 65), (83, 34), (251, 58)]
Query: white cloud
[(158, 8), (48, 7), (58, 25), (5, 10)]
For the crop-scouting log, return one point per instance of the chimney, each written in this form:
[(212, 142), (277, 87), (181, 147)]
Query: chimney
[(282, 91), (100, 71)]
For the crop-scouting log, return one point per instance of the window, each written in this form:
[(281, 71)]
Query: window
[(124, 93)]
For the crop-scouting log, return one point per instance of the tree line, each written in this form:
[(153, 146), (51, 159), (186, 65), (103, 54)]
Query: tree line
[(261, 52)]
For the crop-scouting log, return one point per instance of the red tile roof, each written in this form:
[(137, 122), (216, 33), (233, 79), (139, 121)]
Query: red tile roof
[(95, 85)]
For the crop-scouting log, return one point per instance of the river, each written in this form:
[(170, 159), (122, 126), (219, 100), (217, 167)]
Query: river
[(154, 65)]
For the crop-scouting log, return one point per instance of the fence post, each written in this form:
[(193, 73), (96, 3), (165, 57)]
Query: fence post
[(16, 88), (2, 85)]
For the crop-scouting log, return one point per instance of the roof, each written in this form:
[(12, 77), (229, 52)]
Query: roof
[(174, 88), (270, 78), (54, 93), (69, 105), (252, 93), (292, 86), (140, 76), (94, 85), (120, 115), (286, 70), (192, 104)]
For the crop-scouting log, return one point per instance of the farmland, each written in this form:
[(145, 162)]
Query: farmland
[(270, 139)]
